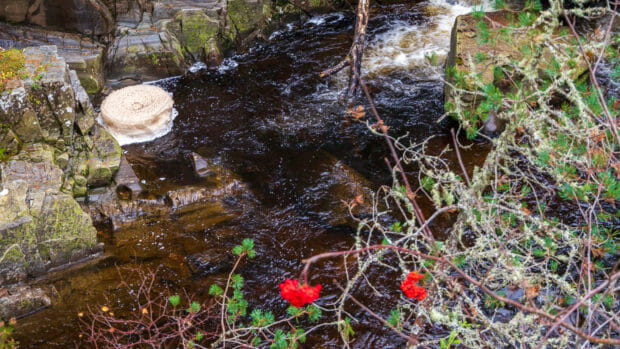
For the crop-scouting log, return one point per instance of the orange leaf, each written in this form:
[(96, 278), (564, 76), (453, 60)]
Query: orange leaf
[(359, 199)]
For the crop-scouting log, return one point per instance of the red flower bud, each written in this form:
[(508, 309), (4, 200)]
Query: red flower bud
[(297, 295), (410, 288)]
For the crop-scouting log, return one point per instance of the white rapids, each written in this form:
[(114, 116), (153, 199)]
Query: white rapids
[(406, 46)]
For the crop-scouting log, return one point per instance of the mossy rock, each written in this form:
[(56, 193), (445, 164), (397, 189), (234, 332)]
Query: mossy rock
[(474, 49), (40, 227), (56, 234), (247, 15), (197, 30), (104, 159)]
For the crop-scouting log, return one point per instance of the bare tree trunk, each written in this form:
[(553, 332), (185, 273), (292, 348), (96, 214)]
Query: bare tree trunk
[(354, 57)]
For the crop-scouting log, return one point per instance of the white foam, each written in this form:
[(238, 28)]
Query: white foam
[(406, 46), (327, 18), (196, 67), (125, 140), (227, 64)]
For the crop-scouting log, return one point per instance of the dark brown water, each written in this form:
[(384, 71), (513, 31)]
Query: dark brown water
[(268, 117)]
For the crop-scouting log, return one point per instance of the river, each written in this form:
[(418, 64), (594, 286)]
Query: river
[(267, 116)]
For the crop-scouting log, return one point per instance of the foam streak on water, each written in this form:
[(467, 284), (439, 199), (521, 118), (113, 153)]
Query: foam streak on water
[(126, 140), (405, 46)]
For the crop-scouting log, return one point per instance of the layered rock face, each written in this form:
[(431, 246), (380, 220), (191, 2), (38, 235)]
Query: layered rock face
[(133, 40), (155, 39), (82, 54), (57, 152), (89, 17)]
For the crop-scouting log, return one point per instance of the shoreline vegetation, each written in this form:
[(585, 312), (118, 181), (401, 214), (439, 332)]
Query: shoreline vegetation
[(533, 257)]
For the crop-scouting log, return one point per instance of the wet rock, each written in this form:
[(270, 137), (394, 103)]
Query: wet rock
[(195, 206), (186, 196), (201, 167), (171, 35), (106, 207), (128, 185), (211, 262), (22, 300)]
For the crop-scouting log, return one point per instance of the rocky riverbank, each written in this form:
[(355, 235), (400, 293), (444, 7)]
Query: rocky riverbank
[(57, 152), (129, 41), (63, 166)]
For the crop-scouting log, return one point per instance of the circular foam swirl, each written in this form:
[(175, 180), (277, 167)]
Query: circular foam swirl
[(139, 112)]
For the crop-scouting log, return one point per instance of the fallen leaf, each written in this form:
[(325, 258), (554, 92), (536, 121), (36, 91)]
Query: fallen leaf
[(359, 199)]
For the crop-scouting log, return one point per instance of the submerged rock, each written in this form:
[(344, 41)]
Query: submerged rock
[(211, 262), (22, 300), (336, 186), (215, 201)]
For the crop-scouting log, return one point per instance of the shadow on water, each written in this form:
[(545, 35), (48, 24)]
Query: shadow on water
[(268, 117)]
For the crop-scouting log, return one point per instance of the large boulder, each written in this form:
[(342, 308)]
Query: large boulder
[(40, 227), (89, 17), (52, 107), (14, 10), (144, 53)]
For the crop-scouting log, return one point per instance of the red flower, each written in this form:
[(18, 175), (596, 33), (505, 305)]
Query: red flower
[(297, 295), (410, 288), (414, 276)]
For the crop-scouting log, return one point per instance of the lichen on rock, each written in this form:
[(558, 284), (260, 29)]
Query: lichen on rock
[(56, 153)]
